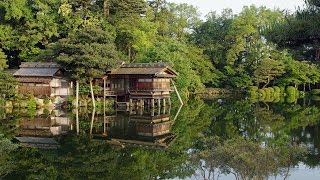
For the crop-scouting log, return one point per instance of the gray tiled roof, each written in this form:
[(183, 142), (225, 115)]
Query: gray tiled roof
[(43, 72), (143, 69)]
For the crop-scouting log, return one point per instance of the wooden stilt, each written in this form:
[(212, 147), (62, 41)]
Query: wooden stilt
[(177, 92), (77, 121), (152, 103)]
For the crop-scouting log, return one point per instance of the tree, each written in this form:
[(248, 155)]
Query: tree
[(85, 54), (267, 70), (3, 61)]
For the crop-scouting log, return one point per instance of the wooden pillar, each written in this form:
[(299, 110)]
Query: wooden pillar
[(152, 103), (104, 107), (169, 101), (141, 110), (152, 111), (77, 121), (142, 102), (164, 102), (159, 103), (159, 110), (130, 103), (164, 109)]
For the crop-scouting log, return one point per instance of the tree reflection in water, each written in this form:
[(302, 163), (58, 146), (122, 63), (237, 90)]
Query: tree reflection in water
[(208, 140)]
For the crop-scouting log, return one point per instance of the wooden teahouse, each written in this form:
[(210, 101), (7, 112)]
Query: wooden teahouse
[(42, 79), (142, 83)]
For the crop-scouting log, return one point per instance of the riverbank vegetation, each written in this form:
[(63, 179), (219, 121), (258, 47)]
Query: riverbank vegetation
[(257, 47)]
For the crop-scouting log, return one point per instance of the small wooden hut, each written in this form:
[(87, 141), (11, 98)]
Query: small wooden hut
[(42, 79), (142, 82)]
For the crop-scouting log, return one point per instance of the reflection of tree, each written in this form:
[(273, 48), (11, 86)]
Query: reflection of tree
[(81, 157), (245, 159), (7, 165)]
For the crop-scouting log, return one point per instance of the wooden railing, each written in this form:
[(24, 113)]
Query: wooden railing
[(151, 89), (35, 90)]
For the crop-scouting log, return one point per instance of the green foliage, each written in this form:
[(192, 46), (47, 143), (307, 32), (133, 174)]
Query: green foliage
[(32, 103), (291, 91), (277, 90), (7, 85), (315, 91)]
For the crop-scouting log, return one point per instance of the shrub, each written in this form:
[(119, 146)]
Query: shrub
[(271, 90), (276, 90), (282, 90), (32, 103), (268, 93), (315, 91), (253, 88), (291, 91), (262, 94)]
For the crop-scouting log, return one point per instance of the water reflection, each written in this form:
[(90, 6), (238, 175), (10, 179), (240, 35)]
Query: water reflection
[(229, 138)]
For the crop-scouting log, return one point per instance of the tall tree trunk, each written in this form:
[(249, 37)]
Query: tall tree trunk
[(92, 95), (106, 10), (77, 94)]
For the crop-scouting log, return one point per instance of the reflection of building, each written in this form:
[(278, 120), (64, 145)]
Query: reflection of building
[(40, 131), (136, 129), (42, 79)]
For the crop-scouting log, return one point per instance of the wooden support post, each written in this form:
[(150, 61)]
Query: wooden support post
[(152, 103), (159, 103), (164, 102), (141, 111), (130, 103), (159, 110), (104, 107), (92, 119), (141, 102), (104, 92), (169, 101), (77, 94), (152, 111), (177, 92), (77, 121), (164, 109)]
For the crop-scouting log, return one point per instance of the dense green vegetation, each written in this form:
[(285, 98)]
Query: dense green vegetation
[(258, 46)]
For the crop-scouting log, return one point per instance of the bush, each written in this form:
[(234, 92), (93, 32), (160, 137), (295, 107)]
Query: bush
[(291, 91), (282, 90), (268, 93), (253, 88), (276, 90), (32, 102), (262, 94), (271, 90), (2, 102), (315, 91)]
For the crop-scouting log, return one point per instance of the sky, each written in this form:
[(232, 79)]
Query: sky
[(206, 6)]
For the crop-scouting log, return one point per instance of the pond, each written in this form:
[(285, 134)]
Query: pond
[(229, 138)]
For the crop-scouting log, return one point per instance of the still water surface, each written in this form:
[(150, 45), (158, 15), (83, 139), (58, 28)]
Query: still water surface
[(229, 138)]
